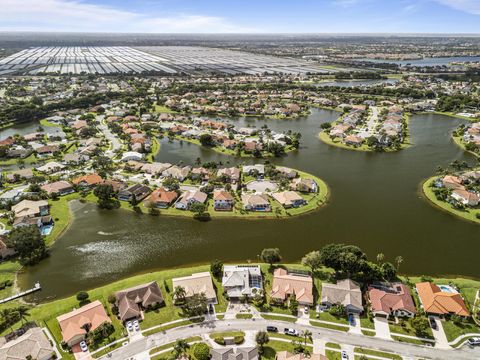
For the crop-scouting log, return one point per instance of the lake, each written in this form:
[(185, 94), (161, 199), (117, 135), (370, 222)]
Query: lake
[(439, 61), (375, 203)]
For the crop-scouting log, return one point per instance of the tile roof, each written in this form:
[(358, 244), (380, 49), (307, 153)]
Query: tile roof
[(436, 301)]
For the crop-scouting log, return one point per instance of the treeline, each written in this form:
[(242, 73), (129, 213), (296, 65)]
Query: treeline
[(453, 103), (24, 112)]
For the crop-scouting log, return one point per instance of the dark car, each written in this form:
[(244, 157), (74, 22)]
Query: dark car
[(272, 329), (433, 323), (211, 308), (351, 319)]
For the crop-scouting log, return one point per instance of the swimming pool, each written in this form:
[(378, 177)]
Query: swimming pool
[(46, 230), (448, 289)]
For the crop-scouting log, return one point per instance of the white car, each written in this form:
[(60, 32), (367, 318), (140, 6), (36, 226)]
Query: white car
[(344, 355), (474, 341), (136, 325), (306, 310), (83, 346), (291, 332), (129, 326)]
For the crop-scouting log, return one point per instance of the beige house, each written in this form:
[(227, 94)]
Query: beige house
[(285, 355), (289, 199), (287, 283), (345, 292), (34, 344), (30, 208), (199, 283)]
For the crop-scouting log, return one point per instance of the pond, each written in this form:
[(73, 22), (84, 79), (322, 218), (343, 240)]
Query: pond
[(375, 203)]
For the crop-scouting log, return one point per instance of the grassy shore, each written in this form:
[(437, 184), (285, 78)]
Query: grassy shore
[(467, 214), (458, 140)]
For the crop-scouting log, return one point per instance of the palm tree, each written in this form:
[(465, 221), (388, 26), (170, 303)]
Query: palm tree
[(179, 294), (398, 261), (23, 313), (180, 347), (380, 258), (307, 335)]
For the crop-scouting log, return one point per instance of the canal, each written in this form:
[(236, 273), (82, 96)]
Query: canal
[(375, 203)]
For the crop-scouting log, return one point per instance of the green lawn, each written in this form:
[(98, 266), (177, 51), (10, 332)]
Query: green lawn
[(469, 214), (28, 160), (333, 355), (452, 330), (169, 345), (407, 329), (329, 326), (8, 271), (279, 318), (273, 346), (225, 334), (244, 316), (163, 109), (333, 345), (326, 316), (365, 322)]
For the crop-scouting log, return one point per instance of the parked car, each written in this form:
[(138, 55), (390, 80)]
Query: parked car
[(136, 325), (83, 346), (351, 319), (344, 355), (129, 326), (474, 341), (433, 323), (306, 309), (291, 332), (272, 329), (211, 309)]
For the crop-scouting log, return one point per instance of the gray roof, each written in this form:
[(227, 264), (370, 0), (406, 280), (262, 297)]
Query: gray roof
[(345, 292)]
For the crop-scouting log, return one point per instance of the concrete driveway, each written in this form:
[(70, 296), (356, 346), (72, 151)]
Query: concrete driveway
[(381, 328), (439, 334)]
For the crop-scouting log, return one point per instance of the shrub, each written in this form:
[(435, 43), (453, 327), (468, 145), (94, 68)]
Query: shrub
[(238, 340), (82, 296), (201, 351), (219, 340)]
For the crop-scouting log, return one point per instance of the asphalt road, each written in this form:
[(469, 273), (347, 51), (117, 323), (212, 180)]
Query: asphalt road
[(404, 349)]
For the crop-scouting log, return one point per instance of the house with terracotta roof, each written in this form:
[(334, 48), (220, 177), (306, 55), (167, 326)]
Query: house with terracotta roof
[(452, 182), (285, 355), (161, 198), (286, 284), (391, 300), (223, 200), (34, 344), (438, 301), (133, 301), (76, 324), (344, 292), (199, 283), (87, 181)]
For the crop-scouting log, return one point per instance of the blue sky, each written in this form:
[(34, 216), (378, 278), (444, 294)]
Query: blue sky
[(242, 16)]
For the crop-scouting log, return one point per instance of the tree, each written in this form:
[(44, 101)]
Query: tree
[(23, 313), (293, 305), (105, 194), (261, 339), (206, 140), (307, 335), (338, 310), (380, 258), (389, 271), (198, 208), (343, 258), (179, 294), (171, 184), (195, 305), (201, 351), (313, 260), (420, 325), (28, 243), (271, 256), (82, 296), (398, 261), (180, 348), (216, 268)]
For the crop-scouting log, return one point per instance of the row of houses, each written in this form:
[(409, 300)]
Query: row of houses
[(463, 188)]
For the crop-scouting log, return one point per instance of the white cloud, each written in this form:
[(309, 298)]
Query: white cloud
[(75, 15), (468, 6)]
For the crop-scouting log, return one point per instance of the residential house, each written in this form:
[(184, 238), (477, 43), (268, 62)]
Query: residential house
[(289, 173), (132, 155), (47, 150), (199, 283), (133, 301), (75, 158), (391, 300), (31, 208), (257, 170), (189, 197), (88, 181), (232, 173), (136, 191), (465, 197), (179, 173), (34, 344), (162, 198), (223, 200), (438, 301), (289, 199), (58, 187), (237, 353), (39, 221), (289, 283), (304, 185), (22, 174), (256, 202), (344, 292), (452, 182), (286, 355), (50, 167), (242, 280), (74, 324)]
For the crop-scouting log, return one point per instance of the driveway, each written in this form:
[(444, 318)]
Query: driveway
[(381, 328), (439, 334), (357, 329)]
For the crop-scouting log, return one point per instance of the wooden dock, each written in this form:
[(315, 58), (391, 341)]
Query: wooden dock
[(37, 287)]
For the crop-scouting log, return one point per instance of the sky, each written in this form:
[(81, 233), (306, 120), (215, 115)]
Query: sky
[(242, 16)]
